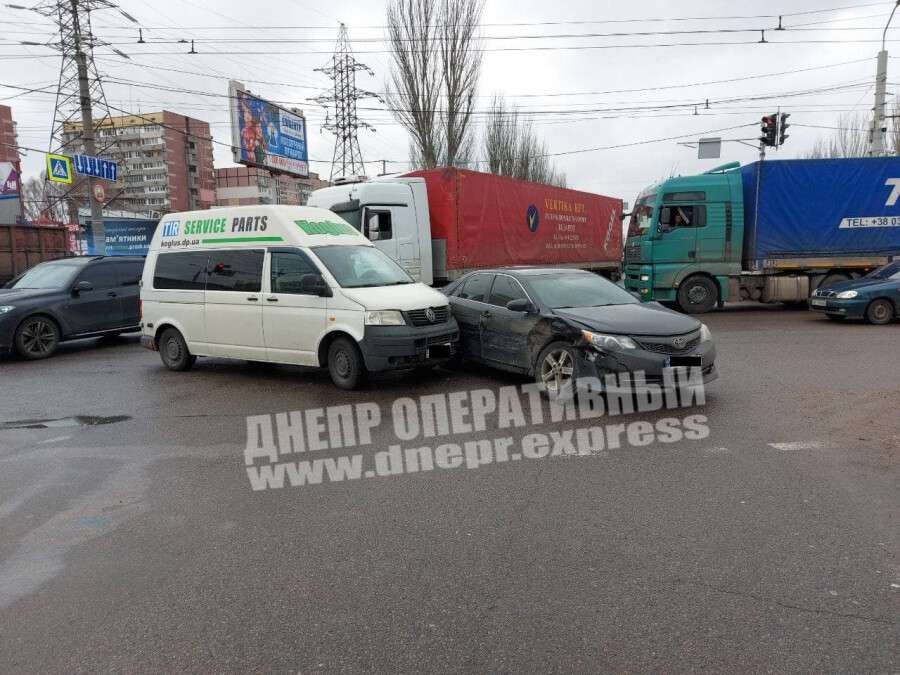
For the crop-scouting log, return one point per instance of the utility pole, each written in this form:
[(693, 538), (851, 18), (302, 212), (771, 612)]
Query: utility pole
[(78, 93), (347, 160), (879, 126)]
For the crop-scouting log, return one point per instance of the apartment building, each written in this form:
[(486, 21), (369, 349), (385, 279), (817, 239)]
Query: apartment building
[(244, 186), (8, 152), (165, 162)]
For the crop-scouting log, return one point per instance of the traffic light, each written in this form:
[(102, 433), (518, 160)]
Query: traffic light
[(783, 127), (769, 135)]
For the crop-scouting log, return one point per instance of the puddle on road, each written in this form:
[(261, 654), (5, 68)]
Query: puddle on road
[(64, 422)]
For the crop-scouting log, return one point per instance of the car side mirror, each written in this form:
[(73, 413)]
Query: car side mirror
[(82, 286), (314, 284), (520, 305)]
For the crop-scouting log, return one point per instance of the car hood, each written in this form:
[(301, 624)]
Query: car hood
[(861, 285), (636, 319), (406, 297), (10, 296)]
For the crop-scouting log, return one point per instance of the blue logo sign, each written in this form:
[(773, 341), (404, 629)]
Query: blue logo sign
[(96, 167), (533, 218), (170, 228)]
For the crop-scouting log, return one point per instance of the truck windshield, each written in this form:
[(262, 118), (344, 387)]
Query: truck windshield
[(558, 291), (361, 266), (641, 215), (48, 277)]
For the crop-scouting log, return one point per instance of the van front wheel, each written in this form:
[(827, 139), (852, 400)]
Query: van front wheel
[(345, 364)]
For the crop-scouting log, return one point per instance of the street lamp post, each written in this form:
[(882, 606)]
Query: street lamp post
[(879, 127)]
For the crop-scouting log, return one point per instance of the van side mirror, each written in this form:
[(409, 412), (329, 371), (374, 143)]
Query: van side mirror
[(82, 286), (520, 305), (314, 284)]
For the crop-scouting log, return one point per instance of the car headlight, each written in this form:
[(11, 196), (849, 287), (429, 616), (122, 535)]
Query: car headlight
[(705, 334), (608, 342), (385, 317), (847, 295), (4, 309)]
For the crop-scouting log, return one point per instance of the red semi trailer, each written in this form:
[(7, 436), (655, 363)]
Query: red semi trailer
[(441, 223)]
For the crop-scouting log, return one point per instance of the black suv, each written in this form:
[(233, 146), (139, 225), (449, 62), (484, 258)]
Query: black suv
[(69, 299)]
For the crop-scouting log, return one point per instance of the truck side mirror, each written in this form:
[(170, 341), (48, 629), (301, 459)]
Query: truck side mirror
[(373, 225), (314, 284)]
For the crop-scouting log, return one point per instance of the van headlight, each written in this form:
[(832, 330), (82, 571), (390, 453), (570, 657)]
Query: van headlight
[(705, 334), (608, 342), (847, 295), (385, 317)]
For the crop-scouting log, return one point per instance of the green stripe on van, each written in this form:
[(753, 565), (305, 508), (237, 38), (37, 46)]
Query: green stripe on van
[(238, 240), (325, 227)]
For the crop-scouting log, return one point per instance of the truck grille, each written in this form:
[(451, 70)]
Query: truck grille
[(667, 345), (420, 317)]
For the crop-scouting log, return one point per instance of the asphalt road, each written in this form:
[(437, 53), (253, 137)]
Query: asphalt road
[(139, 545)]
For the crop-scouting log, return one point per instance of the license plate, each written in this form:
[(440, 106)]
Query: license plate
[(819, 303), (438, 351), (686, 362)]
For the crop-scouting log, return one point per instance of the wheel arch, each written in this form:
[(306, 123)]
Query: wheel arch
[(325, 343)]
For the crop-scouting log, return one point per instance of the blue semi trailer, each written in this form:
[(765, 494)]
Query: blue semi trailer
[(769, 231)]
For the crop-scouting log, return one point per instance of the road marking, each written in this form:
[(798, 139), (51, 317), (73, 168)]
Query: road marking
[(798, 445), (56, 439)]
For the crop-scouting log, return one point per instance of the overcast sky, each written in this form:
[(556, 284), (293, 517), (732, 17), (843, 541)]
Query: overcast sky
[(835, 50)]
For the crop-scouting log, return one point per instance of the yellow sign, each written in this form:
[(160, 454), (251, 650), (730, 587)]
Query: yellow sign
[(59, 169)]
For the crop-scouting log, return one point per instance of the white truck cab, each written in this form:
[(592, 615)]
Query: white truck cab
[(287, 284), (394, 216)]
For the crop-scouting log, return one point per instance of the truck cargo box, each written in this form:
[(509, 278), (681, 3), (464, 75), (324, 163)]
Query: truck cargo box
[(821, 209), (483, 220), (24, 246)]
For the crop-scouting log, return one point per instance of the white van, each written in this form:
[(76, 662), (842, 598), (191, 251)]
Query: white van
[(286, 284)]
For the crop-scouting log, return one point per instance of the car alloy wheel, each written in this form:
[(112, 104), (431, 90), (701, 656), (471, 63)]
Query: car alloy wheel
[(557, 371), (37, 338)]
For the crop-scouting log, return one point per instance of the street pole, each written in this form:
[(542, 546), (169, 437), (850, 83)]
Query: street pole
[(98, 231), (879, 128)]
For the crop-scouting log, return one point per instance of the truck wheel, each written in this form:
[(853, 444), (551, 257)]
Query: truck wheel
[(698, 295), (174, 352), (37, 337), (345, 364), (880, 312)]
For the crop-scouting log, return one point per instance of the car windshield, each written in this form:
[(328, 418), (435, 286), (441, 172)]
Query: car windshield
[(889, 271), (578, 290), (361, 266), (50, 277)]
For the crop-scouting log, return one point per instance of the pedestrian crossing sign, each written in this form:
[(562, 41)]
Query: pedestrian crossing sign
[(59, 169)]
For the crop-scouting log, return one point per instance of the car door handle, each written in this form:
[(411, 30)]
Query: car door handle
[(271, 299), (111, 295), (252, 299)]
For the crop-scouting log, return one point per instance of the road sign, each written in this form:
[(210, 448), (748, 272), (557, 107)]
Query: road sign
[(59, 169), (96, 167)]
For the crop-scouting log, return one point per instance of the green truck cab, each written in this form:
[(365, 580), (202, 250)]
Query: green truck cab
[(771, 231), (684, 239)]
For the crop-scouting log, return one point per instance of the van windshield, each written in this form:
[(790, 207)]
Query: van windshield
[(361, 266)]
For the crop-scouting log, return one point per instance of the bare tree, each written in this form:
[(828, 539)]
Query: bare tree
[(850, 139), (42, 200), (512, 148), (436, 65)]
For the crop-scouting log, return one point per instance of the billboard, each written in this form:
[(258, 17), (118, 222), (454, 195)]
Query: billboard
[(266, 135), (124, 236)]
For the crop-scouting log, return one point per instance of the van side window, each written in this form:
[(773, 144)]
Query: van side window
[(672, 216), (181, 271), (378, 225), (288, 270), (239, 271)]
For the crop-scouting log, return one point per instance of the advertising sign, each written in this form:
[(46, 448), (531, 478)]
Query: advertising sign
[(123, 237), (96, 167), (9, 181), (267, 135)]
